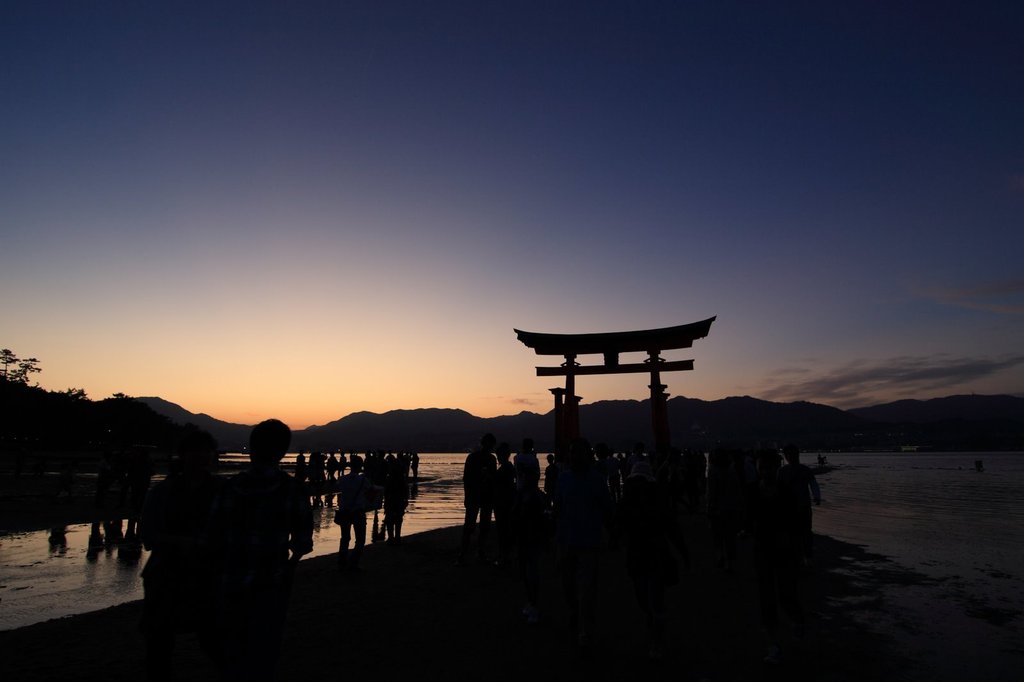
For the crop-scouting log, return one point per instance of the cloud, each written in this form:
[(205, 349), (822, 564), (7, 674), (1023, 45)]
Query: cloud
[(1005, 297), (790, 371), (863, 382), (1017, 182), (526, 402)]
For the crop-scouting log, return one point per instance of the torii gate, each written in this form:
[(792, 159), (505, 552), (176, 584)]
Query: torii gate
[(611, 344)]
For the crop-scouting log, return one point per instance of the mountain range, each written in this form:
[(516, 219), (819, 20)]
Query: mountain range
[(964, 422)]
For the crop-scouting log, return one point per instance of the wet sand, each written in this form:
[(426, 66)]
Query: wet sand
[(29, 502), (411, 612)]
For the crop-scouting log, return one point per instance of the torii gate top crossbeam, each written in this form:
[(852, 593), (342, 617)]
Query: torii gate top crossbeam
[(646, 340)]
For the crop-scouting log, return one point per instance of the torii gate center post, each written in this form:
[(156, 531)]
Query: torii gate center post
[(610, 345)]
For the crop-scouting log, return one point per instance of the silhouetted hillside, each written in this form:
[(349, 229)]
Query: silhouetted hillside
[(747, 422), (35, 419), (734, 422), (233, 437), (428, 429), (966, 407)]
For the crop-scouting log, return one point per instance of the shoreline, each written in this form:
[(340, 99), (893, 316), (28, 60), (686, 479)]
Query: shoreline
[(411, 611)]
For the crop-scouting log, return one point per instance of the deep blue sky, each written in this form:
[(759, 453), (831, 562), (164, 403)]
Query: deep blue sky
[(255, 209)]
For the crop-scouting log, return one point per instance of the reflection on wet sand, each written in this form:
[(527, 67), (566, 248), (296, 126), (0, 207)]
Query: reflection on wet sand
[(84, 567)]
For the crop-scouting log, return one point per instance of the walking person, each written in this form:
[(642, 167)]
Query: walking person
[(582, 508), (800, 481), (353, 502)]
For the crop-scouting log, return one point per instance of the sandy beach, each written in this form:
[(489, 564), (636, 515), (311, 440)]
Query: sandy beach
[(412, 612)]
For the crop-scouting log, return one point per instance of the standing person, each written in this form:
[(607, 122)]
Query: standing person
[(776, 552), (478, 486), (638, 455), (800, 481), (179, 585), (582, 509), (261, 526), (646, 517), (317, 469), (530, 514), (351, 515), (396, 499), (527, 467), (551, 476), (504, 498)]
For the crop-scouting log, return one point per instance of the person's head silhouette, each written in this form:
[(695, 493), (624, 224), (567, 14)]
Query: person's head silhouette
[(268, 442)]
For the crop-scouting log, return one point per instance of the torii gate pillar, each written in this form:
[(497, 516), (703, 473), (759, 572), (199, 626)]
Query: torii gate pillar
[(559, 394), (659, 406)]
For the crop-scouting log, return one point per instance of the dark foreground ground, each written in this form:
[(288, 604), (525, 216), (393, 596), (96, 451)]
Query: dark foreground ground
[(411, 613)]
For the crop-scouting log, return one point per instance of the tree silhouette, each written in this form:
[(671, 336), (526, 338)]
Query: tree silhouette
[(26, 368), (23, 367), (8, 357)]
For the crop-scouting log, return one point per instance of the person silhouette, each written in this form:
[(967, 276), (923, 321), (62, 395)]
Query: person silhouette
[(527, 467), (530, 515), (478, 475), (777, 544), (504, 498), (351, 514), (582, 507), (551, 476), (646, 518), (396, 499), (800, 481), (178, 582), (260, 527)]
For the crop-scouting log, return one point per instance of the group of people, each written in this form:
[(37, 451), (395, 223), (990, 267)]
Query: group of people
[(224, 551), (381, 479), (321, 473), (223, 555), (591, 498)]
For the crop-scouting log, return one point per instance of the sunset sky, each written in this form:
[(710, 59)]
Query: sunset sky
[(306, 209)]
